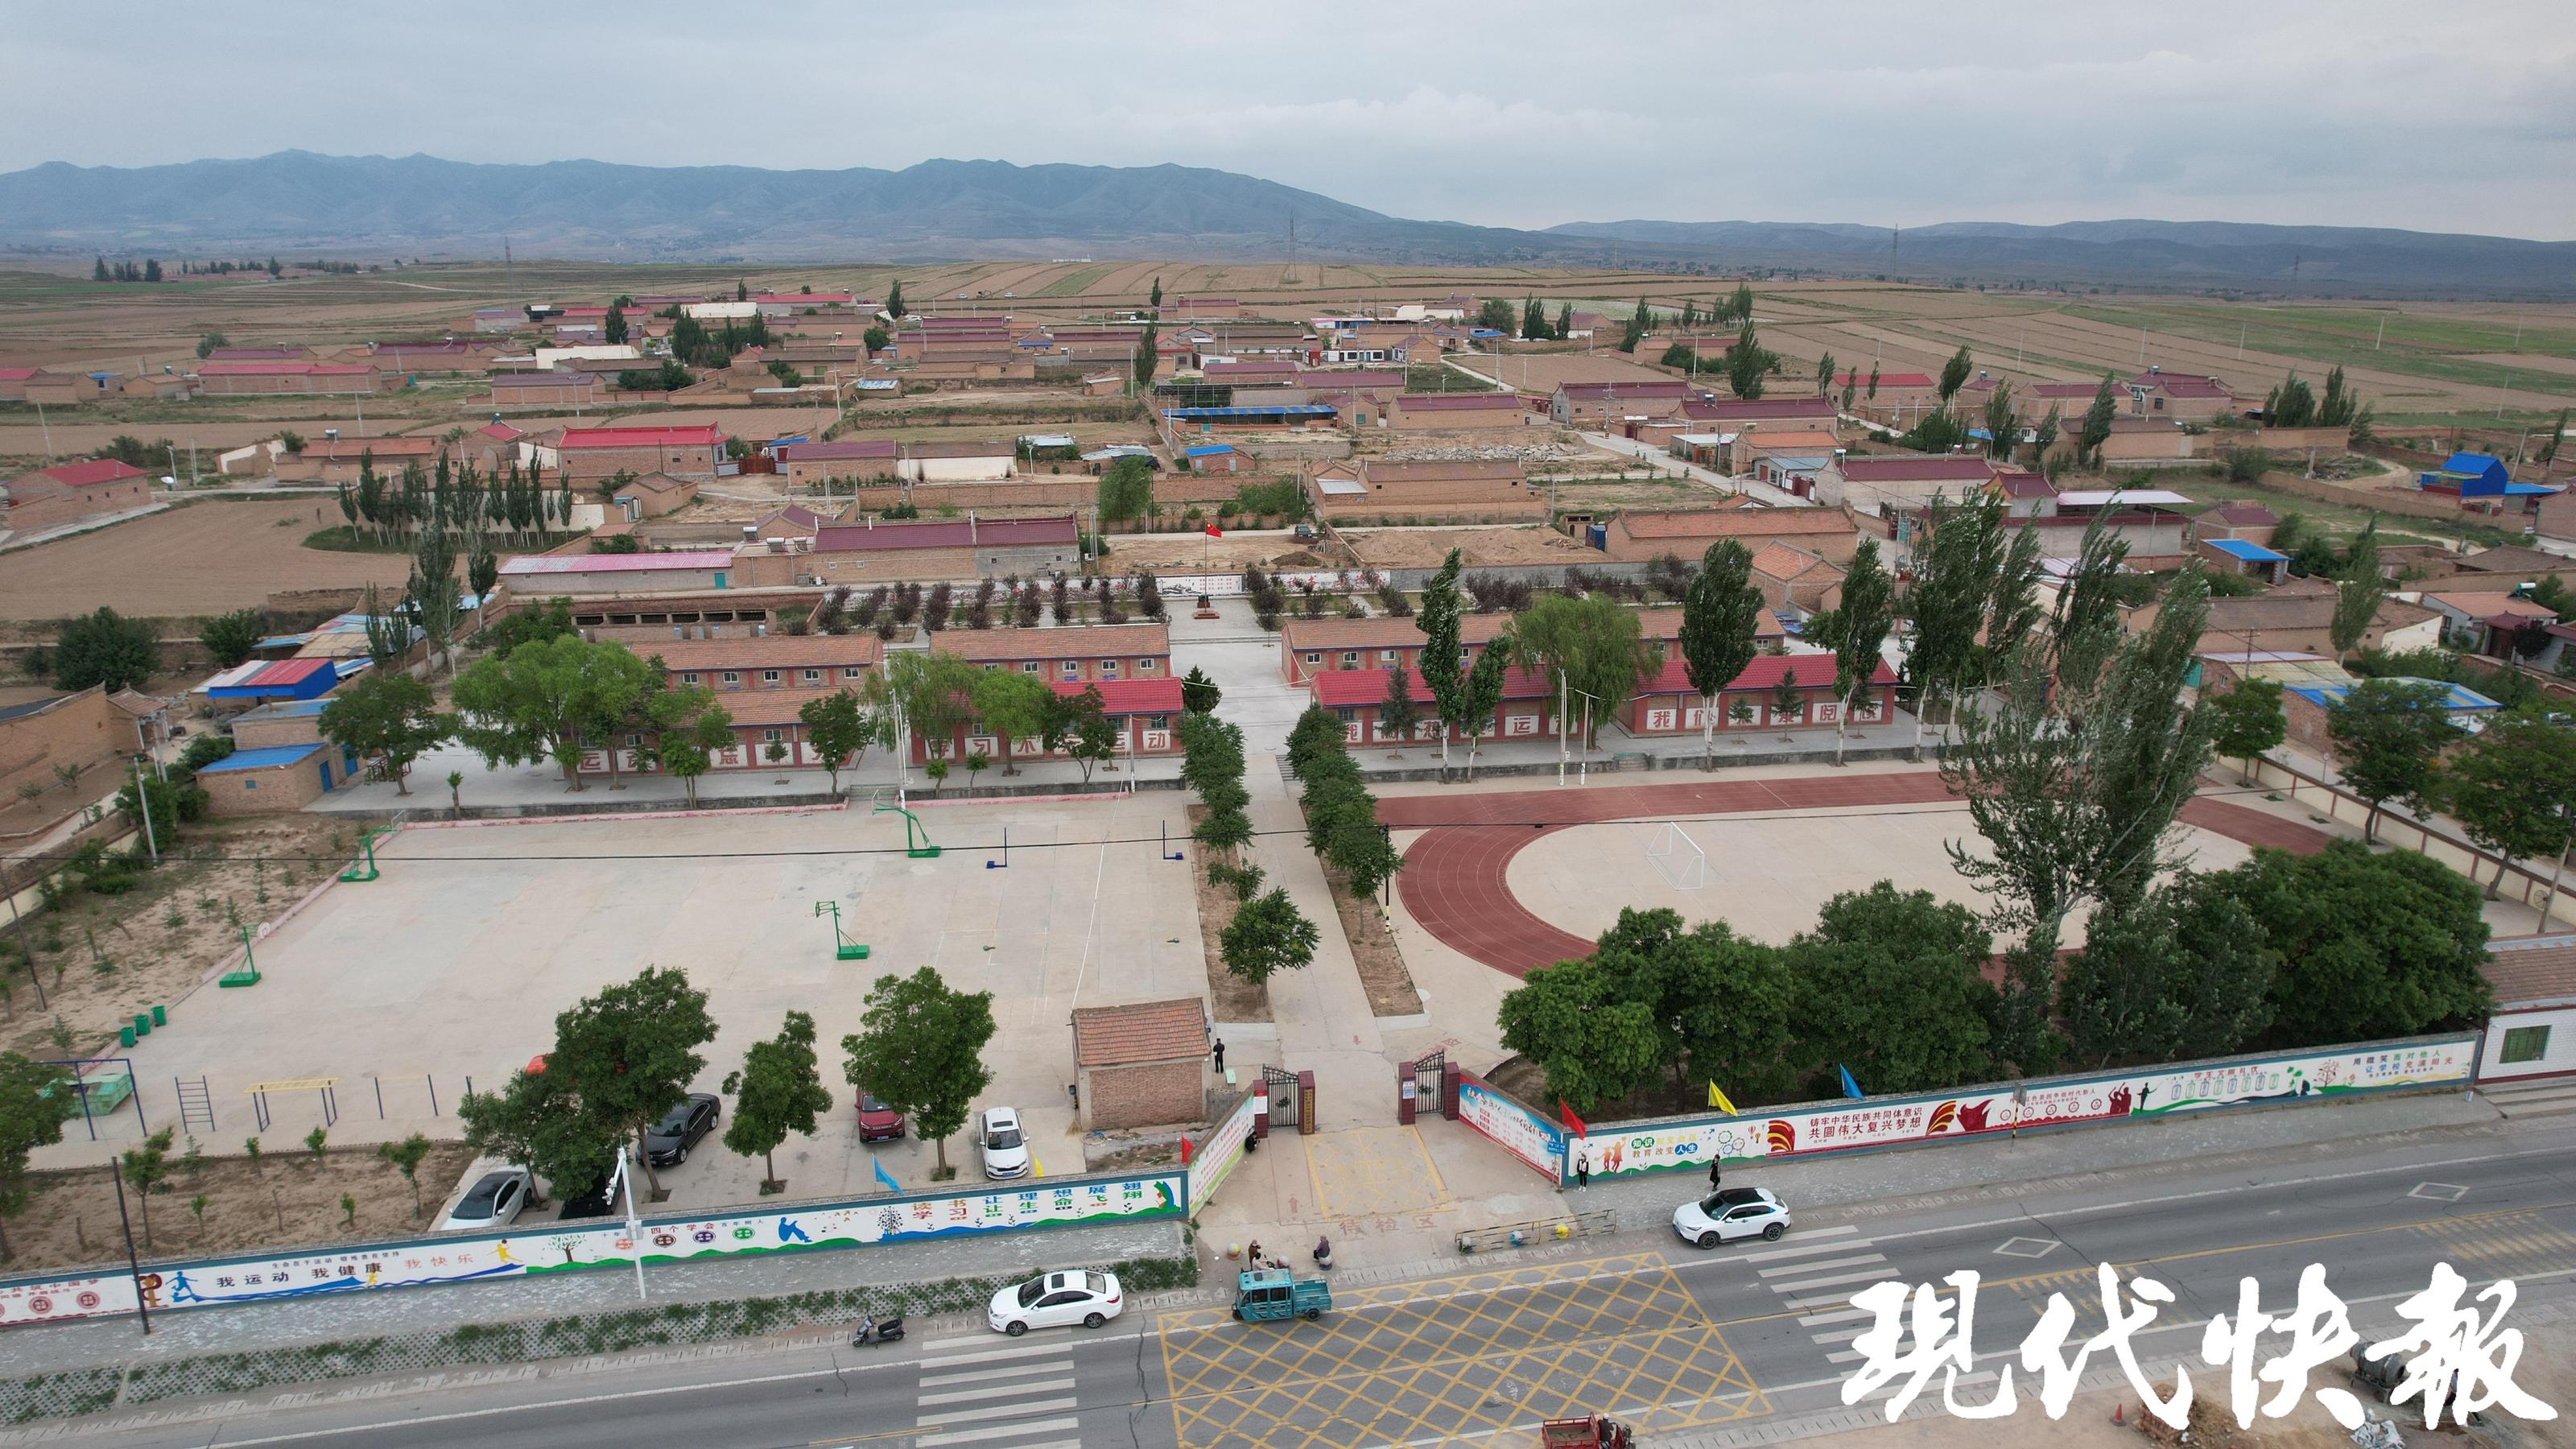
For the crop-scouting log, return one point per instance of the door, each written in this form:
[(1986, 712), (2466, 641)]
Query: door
[(326, 774)]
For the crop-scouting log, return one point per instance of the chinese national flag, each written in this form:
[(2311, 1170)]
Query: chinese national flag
[(1215, 532), (1187, 1151), (1573, 1123)]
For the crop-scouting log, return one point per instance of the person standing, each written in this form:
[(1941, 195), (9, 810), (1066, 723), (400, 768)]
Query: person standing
[(1583, 1169), (1218, 1051), (1715, 1167)]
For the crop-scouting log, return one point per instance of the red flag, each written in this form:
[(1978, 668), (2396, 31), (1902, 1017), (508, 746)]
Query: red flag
[(1215, 532), (1572, 1122), (1186, 1152)]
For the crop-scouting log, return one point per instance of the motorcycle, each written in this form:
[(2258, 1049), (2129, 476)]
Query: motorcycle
[(872, 1330)]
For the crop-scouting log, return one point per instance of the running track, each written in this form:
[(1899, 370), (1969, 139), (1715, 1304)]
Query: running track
[(1454, 879)]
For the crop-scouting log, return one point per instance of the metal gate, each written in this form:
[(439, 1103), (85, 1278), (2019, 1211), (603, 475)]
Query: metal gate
[(1283, 1097), (1428, 1094)]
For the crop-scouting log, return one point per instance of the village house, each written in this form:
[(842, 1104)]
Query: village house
[(545, 390), (1354, 697), (1423, 412), (1594, 406), (727, 665), (447, 358), (2240, 556), (2531, 1030), (1646, 535), (69, 493), (2245, 522), (955, 462), (1792, 580), (342, 460), (1898, 399), (1874, 484), (542, 574), (272, 780), (2486, 622), (227, 379), (1367, 488), (858, 459), (591, 454), (653, 495), (1308, 647), (2302, 623), (874, 551), (1216, 458), (2182, 397), (1142, 1064), (1667, 705), (1743, 455)]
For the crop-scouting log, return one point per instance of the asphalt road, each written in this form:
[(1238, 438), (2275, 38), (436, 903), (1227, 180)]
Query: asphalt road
[(1647, 1328)]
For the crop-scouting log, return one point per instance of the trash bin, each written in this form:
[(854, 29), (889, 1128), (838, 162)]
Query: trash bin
[(142, 1024), (125, 1036), (160, 1016)]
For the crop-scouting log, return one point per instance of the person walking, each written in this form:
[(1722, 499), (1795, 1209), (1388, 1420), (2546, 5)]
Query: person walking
[(1714, 1168), (1583, 1169), (1218, 1051)]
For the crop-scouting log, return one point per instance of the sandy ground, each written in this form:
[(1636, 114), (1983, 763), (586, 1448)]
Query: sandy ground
[(1541, 372), (204, 558), (1424, 548), (1177, 552)]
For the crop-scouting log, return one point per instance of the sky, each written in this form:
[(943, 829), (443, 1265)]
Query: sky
[(2458, 116)]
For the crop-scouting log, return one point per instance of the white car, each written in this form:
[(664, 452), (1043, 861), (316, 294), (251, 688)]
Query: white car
[(1056, 1300), (492, 1202), (1730, 1214), (1006, 1147)]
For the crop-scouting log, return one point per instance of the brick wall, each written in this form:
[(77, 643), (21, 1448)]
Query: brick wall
[(1149, 1094), (693, 460), (259, 734), (266, 792), (858, 570), (33, 506)]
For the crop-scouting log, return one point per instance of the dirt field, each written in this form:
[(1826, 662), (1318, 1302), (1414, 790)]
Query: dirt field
[(1424, 548), (1188, 552), (203, 558), (291, 1198), (1540, 373)]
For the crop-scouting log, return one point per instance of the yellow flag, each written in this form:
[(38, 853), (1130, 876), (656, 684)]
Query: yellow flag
[(1718, 1100)]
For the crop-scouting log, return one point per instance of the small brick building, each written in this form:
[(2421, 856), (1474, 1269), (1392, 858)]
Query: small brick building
[(71, 492), (273, 780), (1142, 1064)]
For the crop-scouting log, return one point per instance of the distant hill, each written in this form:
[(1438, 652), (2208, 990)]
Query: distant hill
[(301, 202)]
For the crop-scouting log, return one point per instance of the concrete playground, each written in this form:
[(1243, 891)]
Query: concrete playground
[(454, 963)]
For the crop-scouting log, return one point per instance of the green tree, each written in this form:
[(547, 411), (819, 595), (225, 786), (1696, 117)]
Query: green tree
[(933, 693), (2184, 976), (1396, 713), (2514, 790), (33, 1108), (1267, 935), (2357, 595), (1593, 643), (2370, 945), (1094, 733), (1495, 315), (2291, 405), (1156, 300), (1534, 321), (2096, 428), (1437, 618), (103, 648), (537, 1122), (1013, 706), (1824, 374), (406, 1157), (1720, 613), (538, 701), (2003, 433), (1640, 322), (387, 718), (876, 339), (894, 300), (1149, 356), (1564, 319), (1126, 491), (777, 1091), (2388, 739), (1748, 362), (1199, 694), (1574, 1020), (1720, 1003), (2245, 721), (1483, 694), (1887, 984), (1954, 373), (2044, 437), (1788, 701), (1859, 632), (689, 729), (632, 1051), (614, 330), (840, 729), (230, 638), (146, 1167), (920, 1049)]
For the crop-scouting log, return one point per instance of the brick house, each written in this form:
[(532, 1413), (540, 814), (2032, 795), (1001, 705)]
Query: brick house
[(545, 389), (1353, 696), (808, 662), (1145, 712), (589, 454), (1076, 654), (336, 379), (1899, 394), (545, 574), (957, 462), (341, 460), (1792, 578), (271, 781), (1308, 647), (1423, 412), (1596, 404), (1216, 458), (1873, 485), (1646, 535), (2249, 522), (654, 494), (1141, 1064), (412, 359), (807, 464), (1667, 705), (71, 492), (2239, 556), (2184, 397), (875, 551)]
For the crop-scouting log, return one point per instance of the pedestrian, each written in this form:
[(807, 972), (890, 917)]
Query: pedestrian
[(1714, 1167), (1252, 1254), (1219, 1052), (1583, 1169)]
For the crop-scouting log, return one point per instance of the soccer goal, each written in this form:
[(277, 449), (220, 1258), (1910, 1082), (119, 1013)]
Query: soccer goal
[(1678, 858)]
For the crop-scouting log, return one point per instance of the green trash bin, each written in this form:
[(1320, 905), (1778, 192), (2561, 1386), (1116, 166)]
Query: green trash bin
[(160, 1016), (125, 1036), (142, 1024)]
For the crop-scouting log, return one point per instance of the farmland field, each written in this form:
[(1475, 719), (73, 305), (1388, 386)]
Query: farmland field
[(203, 558)]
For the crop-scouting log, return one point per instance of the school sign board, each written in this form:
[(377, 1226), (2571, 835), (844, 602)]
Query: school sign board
[(2044, 1104), (1516, 1129), (533, 1249), (1217, 1155)]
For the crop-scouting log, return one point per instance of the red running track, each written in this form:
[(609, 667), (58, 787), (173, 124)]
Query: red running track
[(1454, 879)]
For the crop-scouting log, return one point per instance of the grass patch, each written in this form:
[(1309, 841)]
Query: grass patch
[(343, 538), (1075, 283)]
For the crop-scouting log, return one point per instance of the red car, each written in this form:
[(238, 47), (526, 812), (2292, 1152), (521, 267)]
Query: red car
[(877, 1121)]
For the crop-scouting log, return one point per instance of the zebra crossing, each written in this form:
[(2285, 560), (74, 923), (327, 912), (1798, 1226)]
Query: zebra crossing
[(998, 1394), (1815, 1275)]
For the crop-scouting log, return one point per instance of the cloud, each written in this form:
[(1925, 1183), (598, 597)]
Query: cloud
[(1510, 112)]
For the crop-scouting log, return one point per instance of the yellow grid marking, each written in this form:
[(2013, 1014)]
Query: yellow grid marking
[(1373, 1172), (1468, 1354)]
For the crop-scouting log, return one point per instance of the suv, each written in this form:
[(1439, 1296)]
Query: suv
[(1729, 1214), (1006, 1149), (877, 1121), (669, 1142)]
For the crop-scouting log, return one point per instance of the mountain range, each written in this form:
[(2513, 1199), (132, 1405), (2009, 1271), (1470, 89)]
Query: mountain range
[(300, 202)]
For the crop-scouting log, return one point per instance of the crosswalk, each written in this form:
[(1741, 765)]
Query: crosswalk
[(995, 1393), (1815, 1274)]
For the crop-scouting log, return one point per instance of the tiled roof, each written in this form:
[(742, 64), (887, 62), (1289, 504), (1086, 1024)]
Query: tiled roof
[(2488, 606), (1779, 561), (262, 759), (1340, 688), (767, 651), (945, 533), (88, 474), (2247, 515), (1625, 389), (2026, 485), (1765, 407), (1443, 402), (1966, 466), (1814, 671), (841, 448), (2544, 969), (1858, 379), (701, 436), (2183, 384), (502, 432), (2511, 559), (545, 379), (1161, 695), (1300, 635), (615, 563), (1142, 1031), (1714, 523), (1081, 641), (283, 369)]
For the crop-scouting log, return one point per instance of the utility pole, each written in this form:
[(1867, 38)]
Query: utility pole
[(2383, 332), (142, 807)]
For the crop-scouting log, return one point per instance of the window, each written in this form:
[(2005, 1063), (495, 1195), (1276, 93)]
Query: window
[(1386, 655), (1073, 669), (852, 671), (769, 676), (1343, 715), (249, 783), (1029, 666), (1109, 669), (1350, 659), (733, 676), (769, 737), (2524, 1044), (1145, 666), (688, 679), (634, 739), (813, 676), (1158, 722), (1314, 658)]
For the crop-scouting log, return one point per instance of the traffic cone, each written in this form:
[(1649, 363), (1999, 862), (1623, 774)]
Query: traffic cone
[(2118, 1411)]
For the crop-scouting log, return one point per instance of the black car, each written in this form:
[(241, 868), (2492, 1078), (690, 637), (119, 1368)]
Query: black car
[(679, 1130), (593, 1201)]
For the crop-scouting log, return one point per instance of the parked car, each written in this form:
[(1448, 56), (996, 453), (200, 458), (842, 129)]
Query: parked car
[(679, 1130), (877, 1121), (1732, 1213), (1006, 1148), (1056, 1300), (494, 1201), (593, 1201)]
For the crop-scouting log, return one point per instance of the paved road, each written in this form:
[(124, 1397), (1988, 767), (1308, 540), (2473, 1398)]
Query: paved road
[(1683, 1341)]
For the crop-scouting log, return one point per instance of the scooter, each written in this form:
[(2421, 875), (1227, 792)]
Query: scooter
[(872, 1330)]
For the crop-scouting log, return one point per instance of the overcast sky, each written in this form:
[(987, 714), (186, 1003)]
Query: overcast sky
[(2459, 116)]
